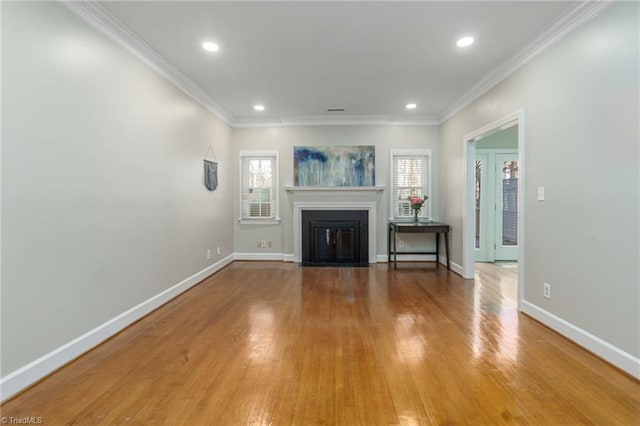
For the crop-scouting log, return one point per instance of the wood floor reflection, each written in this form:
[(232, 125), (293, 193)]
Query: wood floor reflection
[(269, 343)]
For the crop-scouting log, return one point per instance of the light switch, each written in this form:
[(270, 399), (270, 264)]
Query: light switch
[(541, 193)]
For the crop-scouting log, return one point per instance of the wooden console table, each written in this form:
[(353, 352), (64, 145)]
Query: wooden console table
[(417, 228)]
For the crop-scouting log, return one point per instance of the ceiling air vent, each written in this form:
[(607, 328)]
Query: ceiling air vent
[(335, 109)]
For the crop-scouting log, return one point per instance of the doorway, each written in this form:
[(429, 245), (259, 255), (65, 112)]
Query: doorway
[(496, 196), (504, 178)]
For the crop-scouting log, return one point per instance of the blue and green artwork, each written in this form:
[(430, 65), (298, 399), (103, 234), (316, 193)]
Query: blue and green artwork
[(334, 166)]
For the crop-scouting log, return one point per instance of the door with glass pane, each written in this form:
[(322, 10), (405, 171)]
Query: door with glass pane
[(506, 220), (483, 199)]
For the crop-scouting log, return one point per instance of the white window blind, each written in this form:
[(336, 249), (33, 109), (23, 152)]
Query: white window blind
[(258, 191), (410, 176)]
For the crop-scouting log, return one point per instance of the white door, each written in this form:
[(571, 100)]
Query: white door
[(506, 220), (484, 216)]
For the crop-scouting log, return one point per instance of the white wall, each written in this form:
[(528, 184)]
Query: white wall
[(103, 202), (582, 144), (283, 139)]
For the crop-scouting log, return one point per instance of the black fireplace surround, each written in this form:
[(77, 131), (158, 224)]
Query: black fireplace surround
[(335, 238)]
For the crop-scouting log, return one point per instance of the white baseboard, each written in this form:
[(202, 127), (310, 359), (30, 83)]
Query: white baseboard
[(408, 257), (414, 257), (258, 256), (601, 348), (25, 376), (454, 266), (289, 257)]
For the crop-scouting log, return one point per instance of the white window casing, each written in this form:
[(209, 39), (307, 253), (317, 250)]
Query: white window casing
[(259, 198), (410, 172)]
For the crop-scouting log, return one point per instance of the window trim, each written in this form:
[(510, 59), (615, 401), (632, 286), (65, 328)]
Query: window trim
[(409, 152), (276, 188)]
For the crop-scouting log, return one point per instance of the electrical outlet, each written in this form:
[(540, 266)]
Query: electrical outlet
[(401, 244), (546, 290), (270, 243), (263, 244), (219, 251), (208, 254)]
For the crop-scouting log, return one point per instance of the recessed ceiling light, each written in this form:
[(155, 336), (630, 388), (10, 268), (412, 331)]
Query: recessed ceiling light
[(411, 106), (210, 46), (464, 42), (258, 107)]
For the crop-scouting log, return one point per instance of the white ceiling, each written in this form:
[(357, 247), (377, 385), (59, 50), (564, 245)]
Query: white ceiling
[(371, 58)]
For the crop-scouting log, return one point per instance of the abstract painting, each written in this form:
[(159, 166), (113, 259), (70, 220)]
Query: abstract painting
[(334, 166)]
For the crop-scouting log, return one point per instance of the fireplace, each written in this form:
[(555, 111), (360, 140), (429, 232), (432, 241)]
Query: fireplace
[(324, 201), (335, 237)]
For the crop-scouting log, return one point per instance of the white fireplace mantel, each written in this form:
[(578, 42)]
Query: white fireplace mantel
[(334, 188), (299, 206)]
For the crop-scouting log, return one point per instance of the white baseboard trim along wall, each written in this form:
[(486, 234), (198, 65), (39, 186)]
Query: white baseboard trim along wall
[(29, 374), (604, 350), (380, 258), (22, 378), (454, 266), (259, 256)]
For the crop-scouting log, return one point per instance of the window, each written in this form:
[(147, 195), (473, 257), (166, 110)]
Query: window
[(410, 176), (259, 187)]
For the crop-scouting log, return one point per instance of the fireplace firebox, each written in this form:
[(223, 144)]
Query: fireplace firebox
[(335, 238)]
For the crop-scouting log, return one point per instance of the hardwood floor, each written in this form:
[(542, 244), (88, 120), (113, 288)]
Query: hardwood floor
[(270, 343)]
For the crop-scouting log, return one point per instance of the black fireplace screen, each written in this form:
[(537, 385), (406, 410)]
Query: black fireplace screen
[(335, 237)]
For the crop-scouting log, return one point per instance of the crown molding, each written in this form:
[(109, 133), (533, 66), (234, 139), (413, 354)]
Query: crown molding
[(337, 120), (359, 120), (582, 13), (98, 17), (242, 123)]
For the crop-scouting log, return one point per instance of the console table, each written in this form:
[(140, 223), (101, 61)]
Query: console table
[(417, 228)]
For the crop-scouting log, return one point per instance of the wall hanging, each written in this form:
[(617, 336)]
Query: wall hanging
[(334, 166), (210, 171)]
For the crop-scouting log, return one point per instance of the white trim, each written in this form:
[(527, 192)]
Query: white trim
[(249, 221), (276, 188), (409, 152), (416, 258), (298, 206), (468, 154), (323, 120), (334, 188), (258, 256), (360, 120), (27, 375), (605, 350), (97, 16), (382, 258), (259, 153), (491, 187), (583, 12), (454, 267), (288, 257)]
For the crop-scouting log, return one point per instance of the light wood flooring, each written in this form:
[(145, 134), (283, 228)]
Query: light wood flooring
[(270, 343)]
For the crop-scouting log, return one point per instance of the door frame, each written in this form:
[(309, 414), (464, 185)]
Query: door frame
[(499, 248), (468, 214), (486, 225)]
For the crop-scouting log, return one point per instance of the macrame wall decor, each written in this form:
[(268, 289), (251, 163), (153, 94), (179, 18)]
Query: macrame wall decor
[(210, 171)]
